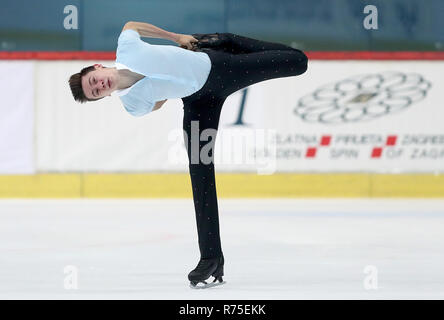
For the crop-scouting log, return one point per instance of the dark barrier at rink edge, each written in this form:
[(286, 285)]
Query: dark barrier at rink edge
[(223, 309)]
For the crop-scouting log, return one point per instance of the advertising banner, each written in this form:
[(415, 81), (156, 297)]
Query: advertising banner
[(340, 116), (17, 117)]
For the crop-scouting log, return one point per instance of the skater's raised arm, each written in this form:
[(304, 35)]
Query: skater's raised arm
[(150, 31)]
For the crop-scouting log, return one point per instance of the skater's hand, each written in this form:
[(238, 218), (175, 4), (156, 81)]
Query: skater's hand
[(187, 42)]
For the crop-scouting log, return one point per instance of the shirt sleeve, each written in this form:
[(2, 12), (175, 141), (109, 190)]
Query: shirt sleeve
[(128, 36), (137, 108), (140, 111)]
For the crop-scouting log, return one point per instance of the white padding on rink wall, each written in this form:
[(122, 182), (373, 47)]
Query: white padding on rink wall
[(340, 116), (17, 118)]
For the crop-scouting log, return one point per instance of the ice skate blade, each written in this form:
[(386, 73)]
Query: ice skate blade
[(205, 285)]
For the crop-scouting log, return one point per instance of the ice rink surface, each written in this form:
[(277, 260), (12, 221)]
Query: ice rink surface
[(274, 249)]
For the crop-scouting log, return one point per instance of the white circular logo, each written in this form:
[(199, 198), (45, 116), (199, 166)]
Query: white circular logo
[(362, 98)]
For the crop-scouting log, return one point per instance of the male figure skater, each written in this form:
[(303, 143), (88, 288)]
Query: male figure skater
[(203, 71)]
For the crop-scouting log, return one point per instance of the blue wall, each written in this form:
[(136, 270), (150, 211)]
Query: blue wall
[(307, 24)]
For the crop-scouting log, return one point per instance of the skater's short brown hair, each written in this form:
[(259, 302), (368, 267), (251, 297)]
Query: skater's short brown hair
[(75, 83)]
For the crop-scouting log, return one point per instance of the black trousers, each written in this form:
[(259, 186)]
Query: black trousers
[(237, 62)]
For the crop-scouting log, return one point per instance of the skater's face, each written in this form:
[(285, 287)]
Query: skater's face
[(99, 83)]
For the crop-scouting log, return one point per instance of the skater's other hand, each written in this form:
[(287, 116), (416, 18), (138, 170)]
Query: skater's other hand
[(187, 42), (211, 40)]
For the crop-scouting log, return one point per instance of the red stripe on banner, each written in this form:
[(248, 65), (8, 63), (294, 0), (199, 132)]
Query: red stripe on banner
[(313, 55)]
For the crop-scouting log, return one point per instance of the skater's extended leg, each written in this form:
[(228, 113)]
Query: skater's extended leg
[(251, 60), (244, 70)]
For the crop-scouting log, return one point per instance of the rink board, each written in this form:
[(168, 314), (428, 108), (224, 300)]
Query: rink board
[(98, 150), (228, 185)]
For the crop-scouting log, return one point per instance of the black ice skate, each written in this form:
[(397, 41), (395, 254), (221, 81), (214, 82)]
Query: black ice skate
[(205, 269), (216, 40)]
